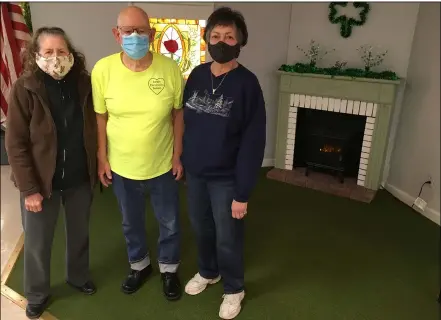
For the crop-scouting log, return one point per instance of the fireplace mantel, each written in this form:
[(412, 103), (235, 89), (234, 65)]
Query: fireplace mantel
[(373, 98)]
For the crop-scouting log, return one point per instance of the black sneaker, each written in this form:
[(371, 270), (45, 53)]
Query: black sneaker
[(136, 279), (171, 286), (34, 311), (87, 288)]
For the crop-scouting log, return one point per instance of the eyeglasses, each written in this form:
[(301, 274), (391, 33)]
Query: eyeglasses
[(130, 30)]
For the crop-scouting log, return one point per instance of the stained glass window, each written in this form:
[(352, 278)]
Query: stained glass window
[(182, 40)]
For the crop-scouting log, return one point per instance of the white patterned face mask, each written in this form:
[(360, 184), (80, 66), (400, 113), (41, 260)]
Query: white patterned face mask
[(57, 67)]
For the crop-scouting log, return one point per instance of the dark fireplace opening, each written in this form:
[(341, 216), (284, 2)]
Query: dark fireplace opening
[(329, 141)]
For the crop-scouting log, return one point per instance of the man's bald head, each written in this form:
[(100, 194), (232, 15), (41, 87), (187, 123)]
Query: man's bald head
[(133, 16), (133, 19)]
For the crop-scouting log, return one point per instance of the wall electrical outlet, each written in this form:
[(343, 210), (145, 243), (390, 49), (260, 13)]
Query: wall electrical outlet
[(420, 204), (430, 178)]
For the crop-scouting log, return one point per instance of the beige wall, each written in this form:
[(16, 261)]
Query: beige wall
[(389, 26), (417, 146), (89, 25), (182, 10)]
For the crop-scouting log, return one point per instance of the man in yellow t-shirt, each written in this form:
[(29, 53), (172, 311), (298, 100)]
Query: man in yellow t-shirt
[(137, 97)]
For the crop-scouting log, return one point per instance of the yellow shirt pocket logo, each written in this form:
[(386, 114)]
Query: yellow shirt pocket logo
[(157, 85)]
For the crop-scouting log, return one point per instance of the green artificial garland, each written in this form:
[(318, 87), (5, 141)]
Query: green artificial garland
[(346, 23), (335, 71)]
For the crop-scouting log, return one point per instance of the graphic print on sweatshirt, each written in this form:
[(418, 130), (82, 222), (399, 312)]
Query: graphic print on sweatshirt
[(216, 104)]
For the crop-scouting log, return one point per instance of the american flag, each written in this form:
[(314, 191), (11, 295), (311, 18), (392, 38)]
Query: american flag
[(13, 38)]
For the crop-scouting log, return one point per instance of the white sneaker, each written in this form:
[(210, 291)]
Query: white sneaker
[(198, 284), (231, 305)]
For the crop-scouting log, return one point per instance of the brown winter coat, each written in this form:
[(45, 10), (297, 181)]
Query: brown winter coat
[(31, 136)]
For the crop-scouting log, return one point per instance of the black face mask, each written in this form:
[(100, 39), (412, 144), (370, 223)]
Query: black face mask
[(222, 52)]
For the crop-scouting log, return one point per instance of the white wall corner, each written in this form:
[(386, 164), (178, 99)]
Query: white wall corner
[(268, 162), (407, 199), (393, 129)]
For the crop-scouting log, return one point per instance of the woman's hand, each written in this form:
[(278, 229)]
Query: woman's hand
[(104, 171), (178, 170), (33, 203), (239, 209)]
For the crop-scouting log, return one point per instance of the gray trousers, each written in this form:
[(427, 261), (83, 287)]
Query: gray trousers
[(39, 230)]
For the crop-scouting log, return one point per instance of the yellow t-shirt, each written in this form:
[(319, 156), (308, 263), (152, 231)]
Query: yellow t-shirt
[(139, 106)]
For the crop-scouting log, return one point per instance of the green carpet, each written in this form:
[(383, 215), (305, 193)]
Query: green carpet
[(309, 256)]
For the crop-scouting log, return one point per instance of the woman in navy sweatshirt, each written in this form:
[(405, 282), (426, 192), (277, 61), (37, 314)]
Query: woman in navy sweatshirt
[(223, 148)]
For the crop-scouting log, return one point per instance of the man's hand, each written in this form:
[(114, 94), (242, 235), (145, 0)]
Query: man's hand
[(239, 209), (178, 170), (104, 171), (33, 203)]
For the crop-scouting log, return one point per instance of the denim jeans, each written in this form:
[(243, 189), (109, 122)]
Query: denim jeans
[(164, 196), (219, 237)]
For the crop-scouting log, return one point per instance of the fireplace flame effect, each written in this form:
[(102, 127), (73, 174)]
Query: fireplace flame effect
[(329, 148)]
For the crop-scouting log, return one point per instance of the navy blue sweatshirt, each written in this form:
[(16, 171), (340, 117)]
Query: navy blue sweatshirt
[(225, 132)]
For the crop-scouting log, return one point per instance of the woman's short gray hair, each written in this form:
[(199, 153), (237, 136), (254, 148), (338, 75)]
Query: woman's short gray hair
[(227, 17)]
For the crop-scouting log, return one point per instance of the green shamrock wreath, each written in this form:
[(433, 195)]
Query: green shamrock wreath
[(346, 23)]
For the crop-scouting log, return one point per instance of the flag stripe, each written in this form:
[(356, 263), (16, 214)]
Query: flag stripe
[(15, 8), (9, 38), (8, 54), (6, 79), (14, 36), (19, 26)]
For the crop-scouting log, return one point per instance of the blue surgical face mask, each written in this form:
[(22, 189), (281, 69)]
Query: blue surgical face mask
[(135, 46)]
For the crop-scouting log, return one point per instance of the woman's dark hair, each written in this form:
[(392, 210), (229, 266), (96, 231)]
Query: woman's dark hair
[(227, 17), (29, 63)]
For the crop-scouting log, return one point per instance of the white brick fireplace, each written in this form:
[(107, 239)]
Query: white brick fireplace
[(362, 108), (373, 99)]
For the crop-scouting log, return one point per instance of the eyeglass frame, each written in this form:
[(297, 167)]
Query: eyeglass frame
[(138, 30)]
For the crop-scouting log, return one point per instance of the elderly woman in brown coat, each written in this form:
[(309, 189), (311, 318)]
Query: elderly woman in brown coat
[(52, 147)]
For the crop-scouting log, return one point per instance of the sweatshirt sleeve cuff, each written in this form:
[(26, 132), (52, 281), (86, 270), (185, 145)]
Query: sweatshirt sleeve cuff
[(30, 192), (241, 198)]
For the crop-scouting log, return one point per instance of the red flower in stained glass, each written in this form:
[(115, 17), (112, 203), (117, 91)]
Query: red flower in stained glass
[(171, 46)]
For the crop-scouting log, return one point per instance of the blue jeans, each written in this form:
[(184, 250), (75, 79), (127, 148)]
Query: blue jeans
[(219, 237), (164, 196)]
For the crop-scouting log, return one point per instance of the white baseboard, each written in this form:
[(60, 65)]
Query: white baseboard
[(268, 162), (406, 198)]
